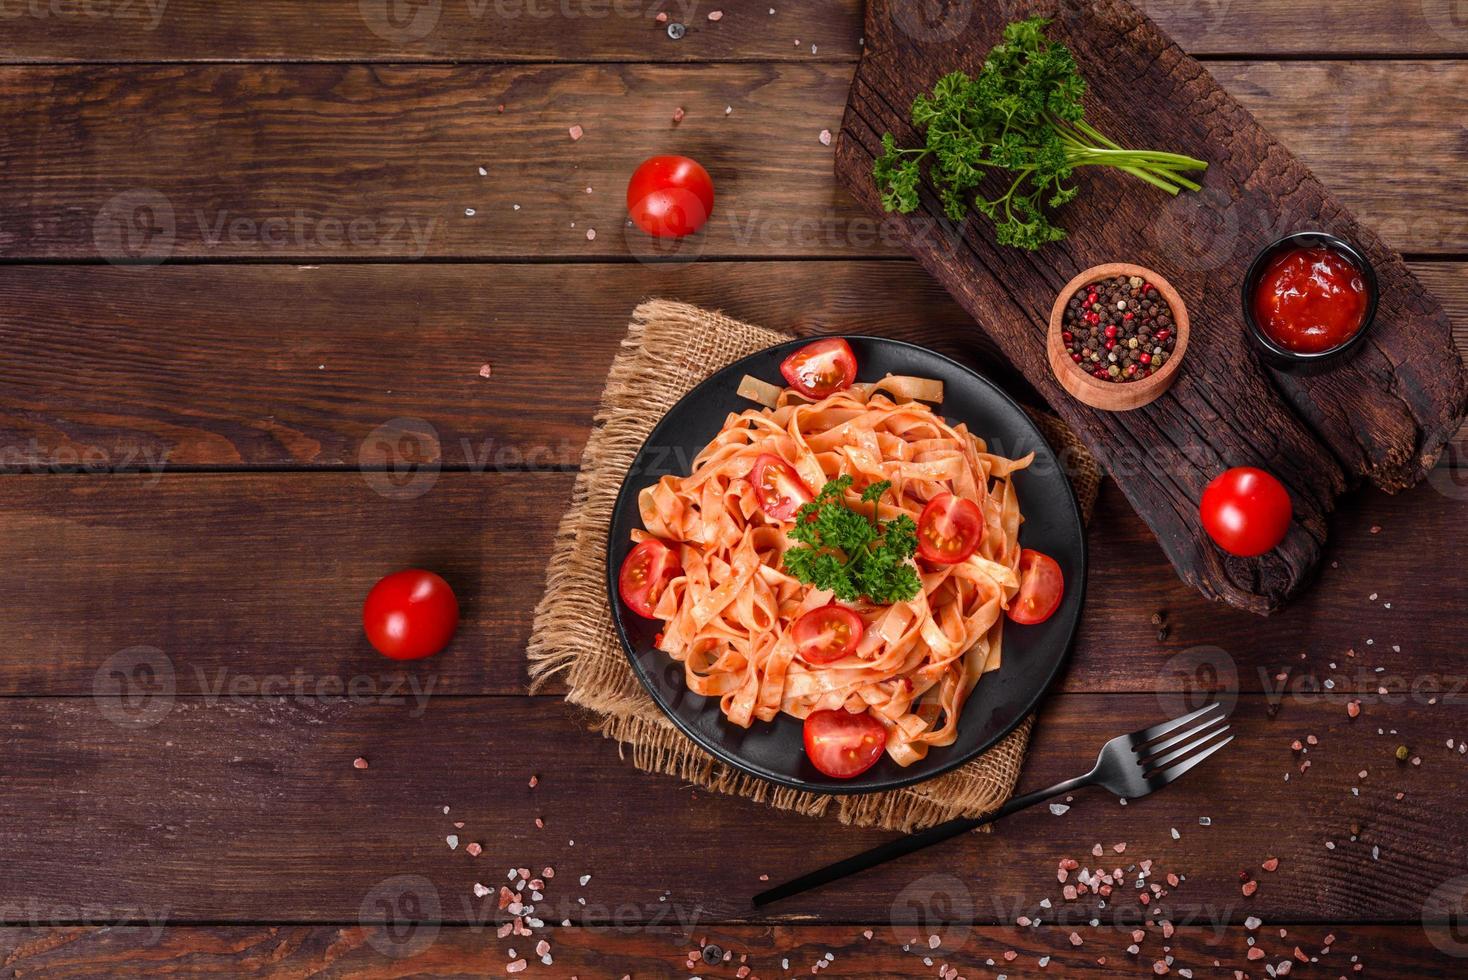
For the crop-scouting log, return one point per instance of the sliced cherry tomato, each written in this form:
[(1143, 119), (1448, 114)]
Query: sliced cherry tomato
[(779, 488), (646, 572), (410, 614), (822, 368), (1041, 586), (1246, 511), (843, 745), (827, 634), (670, 196), (950, 529)]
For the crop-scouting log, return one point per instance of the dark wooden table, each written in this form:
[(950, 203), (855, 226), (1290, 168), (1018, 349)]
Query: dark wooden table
[(205, 471)]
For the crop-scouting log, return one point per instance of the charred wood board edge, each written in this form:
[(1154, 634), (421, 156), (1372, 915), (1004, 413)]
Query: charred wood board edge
[(1383, 416)]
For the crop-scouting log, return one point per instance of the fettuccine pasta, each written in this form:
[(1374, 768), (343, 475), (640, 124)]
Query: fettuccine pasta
[(728, 616)]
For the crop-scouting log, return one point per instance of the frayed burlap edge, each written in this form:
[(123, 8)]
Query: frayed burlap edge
[(668, 349)]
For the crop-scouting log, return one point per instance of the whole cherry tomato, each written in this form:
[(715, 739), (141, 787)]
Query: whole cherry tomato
[(410, 614), (670, 196), (1246, 511)]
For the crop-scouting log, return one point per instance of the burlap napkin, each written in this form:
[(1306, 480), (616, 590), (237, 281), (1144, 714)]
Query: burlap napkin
[(669, 348)]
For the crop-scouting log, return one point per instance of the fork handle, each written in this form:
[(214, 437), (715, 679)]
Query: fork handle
[(901, 846)]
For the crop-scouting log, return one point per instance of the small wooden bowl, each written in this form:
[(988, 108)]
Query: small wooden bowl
[(1113, 396)]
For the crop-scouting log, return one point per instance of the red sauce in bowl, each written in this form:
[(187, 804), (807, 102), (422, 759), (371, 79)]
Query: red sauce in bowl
[(1311, 300)]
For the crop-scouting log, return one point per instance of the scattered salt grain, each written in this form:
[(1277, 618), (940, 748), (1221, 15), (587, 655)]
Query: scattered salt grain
[(576, 133), (584, 879), (1058, 809), (716, 15), (934, 942), (473, 849), (483, 172), (1176, 835), (479, 890), (825, 137), (361, 763), (485, 370), (468, 212), (591, 234), (453, 841)]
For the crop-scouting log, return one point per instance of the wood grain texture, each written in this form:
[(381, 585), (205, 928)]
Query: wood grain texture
[(662, 951), (427, 30), (1384, 416), (624, 30), (260, 578), (250, 809), (332, 162), (129, 369)]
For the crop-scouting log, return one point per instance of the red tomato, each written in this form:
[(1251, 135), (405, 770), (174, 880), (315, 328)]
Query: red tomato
[(841, 744), (1246, 511), (670, 196), (646, 572), (827, 634), (822, 368), (779, 488), (410, 614), (950, 529), (1041, 585)]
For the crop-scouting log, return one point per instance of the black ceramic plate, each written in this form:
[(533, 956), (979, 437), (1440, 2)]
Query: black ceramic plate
[(1032, 654)]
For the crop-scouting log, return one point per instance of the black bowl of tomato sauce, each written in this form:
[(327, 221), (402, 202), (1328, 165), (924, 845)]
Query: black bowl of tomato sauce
[(1309, 299)]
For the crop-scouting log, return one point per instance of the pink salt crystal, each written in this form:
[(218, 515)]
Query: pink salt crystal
[(1076, 940), (716, 15), (534, 781), (591, 234), (1270, 864), (541, 948), (678, 115), (485, 370), (548, 873), (1009, 955), (1138, 935), (662, 17), (539, 824), (576, 133), (359, 763), (825, 137), (473, 849), (516, 966), (1119, 848)]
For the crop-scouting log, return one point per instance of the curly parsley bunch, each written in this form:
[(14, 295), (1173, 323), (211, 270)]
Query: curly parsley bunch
[(850, 554), (1021, 119)]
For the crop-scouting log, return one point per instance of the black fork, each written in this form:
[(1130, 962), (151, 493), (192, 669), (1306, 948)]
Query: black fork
[(1131, 766)]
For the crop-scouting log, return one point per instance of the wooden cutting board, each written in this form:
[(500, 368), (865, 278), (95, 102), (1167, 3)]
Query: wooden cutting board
[(1383, 416)]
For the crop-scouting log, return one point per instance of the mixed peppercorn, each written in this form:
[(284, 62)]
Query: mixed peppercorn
[(1119, 329)]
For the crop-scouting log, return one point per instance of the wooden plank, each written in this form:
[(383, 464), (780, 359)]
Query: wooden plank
[(132, 369), (249, 809), (380, 952), (189, 366), (330, 162), (254, 579), (590, 30), (1384, 416), (427, 30)]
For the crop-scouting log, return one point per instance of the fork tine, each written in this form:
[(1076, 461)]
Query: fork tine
[(1191, 734), (1156, 763), (1177, 771), (1168, 727)]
